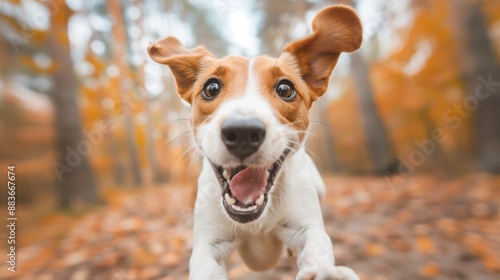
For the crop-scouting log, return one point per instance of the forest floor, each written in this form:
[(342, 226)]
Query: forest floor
[(422, 228)]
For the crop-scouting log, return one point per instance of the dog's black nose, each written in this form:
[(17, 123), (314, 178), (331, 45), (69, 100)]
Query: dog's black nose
[(243, 136)]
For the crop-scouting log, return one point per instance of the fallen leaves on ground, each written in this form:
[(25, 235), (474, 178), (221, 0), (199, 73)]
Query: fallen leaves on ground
[(421, 228)]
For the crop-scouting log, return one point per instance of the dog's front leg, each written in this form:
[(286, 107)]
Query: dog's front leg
[(208, 260), (316, 260)]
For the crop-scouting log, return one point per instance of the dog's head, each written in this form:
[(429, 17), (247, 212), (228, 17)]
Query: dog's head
[(249, 114)]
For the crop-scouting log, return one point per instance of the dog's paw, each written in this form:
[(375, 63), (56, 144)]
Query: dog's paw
[(328, 273)]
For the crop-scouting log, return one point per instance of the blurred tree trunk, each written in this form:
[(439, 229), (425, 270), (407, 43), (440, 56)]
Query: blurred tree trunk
[(381, 152), (480, 70), (75, 177), (119, 57), (150, 125)]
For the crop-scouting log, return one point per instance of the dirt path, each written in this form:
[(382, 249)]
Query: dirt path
[(423, 228)]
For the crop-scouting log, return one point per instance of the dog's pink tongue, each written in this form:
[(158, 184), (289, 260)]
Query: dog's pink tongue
[(249, 184)]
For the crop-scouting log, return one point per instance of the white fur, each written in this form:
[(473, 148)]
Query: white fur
[(292, 214)]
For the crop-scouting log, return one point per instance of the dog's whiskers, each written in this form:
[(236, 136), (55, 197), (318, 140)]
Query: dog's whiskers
[(170, 140), (182, 156), (307, 150), (306, 132), (195, 158), (176, 120), (322, 123)]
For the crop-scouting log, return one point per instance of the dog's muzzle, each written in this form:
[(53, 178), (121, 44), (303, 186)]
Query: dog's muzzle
[(243, 136)]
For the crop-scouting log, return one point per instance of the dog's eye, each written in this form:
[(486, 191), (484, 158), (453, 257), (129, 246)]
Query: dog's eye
[(285, 90), (211, 89)]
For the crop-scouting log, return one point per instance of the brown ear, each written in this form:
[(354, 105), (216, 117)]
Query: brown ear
[(335, 29), (185, 63)]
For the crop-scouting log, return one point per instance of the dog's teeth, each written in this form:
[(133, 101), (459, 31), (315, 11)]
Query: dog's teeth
[(268, 173), (229, 199), (260, 200), (240, 209), (226, 174)]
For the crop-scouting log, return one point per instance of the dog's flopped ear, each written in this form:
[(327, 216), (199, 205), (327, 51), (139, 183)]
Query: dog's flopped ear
[(185, 63), (336, 29)]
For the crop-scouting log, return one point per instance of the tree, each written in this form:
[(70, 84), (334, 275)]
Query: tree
[(75, 180), (479, 66), (381, 153), (139, 84), (119, 56)]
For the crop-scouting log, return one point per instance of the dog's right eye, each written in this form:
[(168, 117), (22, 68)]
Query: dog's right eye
[(211, 89), (285, 90)]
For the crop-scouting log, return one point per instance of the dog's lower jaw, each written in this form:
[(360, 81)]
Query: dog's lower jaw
[(246, 212)]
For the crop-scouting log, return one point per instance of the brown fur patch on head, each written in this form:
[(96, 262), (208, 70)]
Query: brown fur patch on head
[(269, 72), (231, 71)]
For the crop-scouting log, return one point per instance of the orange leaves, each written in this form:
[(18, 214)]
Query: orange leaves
[(449, 228), (374, 250), (476, 244), (98, 63), (430, 270), (491, 262), (143, 257), (108, 260), (425, 245), (170, 259), (399, 244), (480, 247)]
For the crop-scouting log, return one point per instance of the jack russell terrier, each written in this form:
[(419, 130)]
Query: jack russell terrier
[(258, 189)]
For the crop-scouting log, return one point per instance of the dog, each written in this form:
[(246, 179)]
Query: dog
[(258, 190)]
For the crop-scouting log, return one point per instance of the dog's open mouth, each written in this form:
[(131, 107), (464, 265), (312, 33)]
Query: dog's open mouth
[(245, 188)]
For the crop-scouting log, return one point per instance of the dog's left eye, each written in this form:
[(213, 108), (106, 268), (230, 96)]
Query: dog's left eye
[(211, 89), (285, 90)]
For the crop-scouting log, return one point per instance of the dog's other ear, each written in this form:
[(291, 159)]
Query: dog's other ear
[(335, 29), (185, 63)]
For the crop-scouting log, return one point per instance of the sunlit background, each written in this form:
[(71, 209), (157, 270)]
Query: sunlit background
[(407, 135)]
